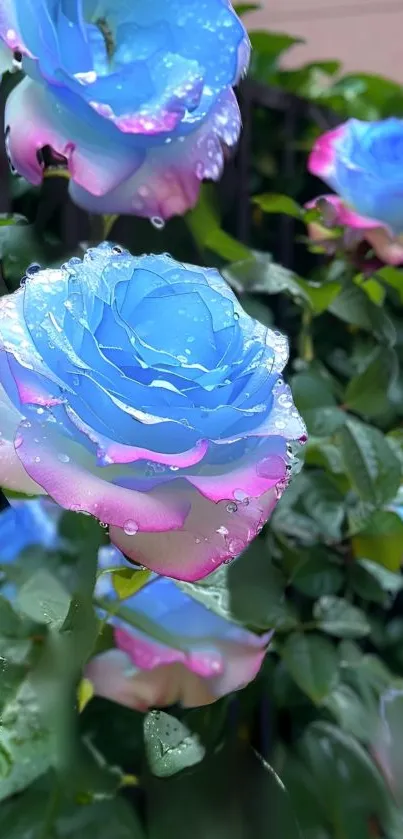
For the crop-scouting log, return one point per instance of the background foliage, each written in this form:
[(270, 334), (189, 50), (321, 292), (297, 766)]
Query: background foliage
[(325, 573)]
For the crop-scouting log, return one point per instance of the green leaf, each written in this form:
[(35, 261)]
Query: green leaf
[(381, 541), (19, 247), (272, 203), (250, 590), (232, 794), (42, 812), (127, 581), (348, 785), (370, 462), (325, 504), (372, 288), (320, 295), (317, 577), (351, 712), (388, 739), (243, 8), (367, 393), (267, 48), (312, 661), (393, 277), (25, 742), (43, 599), (388, 581), (81, 533), (354, 306), (11, 624), (255, 309), (316, 402), (259, 274), (170, 746), (338, 617), (225, 246), (204, 224)]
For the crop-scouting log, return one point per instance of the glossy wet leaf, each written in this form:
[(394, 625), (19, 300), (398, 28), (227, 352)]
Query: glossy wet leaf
[(312, 661)]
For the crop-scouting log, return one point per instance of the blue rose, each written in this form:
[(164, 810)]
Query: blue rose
[(137, 96), (138, 390), (363, 163)]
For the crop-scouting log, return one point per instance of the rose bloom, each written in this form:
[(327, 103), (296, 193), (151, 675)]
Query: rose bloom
[(136, 96), (362, 163), (138, 390)]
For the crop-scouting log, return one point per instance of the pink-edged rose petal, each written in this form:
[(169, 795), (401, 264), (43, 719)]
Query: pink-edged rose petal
[(212, 533), (168, 182), (322, 157), (68, 474), (37, 119)]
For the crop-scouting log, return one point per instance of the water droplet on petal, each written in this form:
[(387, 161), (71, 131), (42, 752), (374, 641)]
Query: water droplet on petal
[(223, 531), (32, 269), (232, 507), (235, 546), (158, 222), (240, 495), (64, 458), (130, 527)]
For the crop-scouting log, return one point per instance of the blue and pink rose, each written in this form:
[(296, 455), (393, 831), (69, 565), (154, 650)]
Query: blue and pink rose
[(139, 391), (363, 163), (136, 96)]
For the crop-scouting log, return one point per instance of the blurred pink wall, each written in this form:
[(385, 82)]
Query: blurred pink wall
[(366, 35)]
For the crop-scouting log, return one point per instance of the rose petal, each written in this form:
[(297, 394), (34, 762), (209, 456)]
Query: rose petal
[(322, 158), (12, 474), (168, 182), (204, 657), (67, 473), (114, 677), (37, 119), (9, 27), (344, 215), (211, 534)]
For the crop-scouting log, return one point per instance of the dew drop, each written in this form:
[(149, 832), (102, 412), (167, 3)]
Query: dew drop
[(64, 458), (232, 507), (32, 269), (158, 222), (240, 495), (235, 546), (223, 531), (130, 527)]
